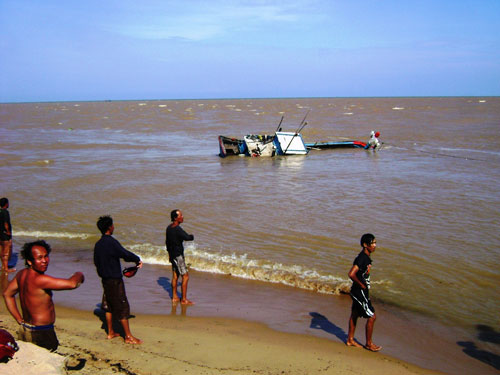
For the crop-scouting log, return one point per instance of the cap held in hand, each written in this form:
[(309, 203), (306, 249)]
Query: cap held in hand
[(130, 271)]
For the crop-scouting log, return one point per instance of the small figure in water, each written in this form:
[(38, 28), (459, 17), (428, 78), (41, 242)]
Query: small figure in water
[(373, 142)]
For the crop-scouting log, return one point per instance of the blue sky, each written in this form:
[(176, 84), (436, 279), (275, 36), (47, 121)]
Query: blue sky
[(160, 49)]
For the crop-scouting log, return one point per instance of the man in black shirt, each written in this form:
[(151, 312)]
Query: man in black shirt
[(175, 236), (361, 304), (107, 254), (5, 235)]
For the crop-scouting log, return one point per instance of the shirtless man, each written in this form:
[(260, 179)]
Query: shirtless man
[(175, 236), (5, 235), (35, 294), (361, 304)]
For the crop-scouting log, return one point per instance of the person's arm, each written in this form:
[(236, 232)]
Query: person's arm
[(53, 283), (9, 295), (185, 236), (123, 253), (353, 276)]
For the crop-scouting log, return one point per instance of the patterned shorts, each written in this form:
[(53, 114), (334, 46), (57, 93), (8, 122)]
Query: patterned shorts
[(361, 303), (179, 265)]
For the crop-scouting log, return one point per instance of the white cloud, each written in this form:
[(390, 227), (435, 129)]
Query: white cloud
[(200, 20)]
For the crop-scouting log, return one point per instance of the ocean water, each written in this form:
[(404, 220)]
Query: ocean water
[(430, 195)]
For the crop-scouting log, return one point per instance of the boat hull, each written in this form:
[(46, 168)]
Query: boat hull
[(231, 146), (339, 144)]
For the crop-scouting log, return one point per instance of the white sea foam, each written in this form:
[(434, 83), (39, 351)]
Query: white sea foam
[(43, 234), (244, 267)]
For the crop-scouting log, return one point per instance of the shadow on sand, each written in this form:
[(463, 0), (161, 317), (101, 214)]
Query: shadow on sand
[(319, 321), (117, 327), (166, 284), (485, 334), (13, 260)]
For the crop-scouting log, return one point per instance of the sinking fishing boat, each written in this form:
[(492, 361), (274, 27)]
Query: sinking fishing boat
[(281, 143), (285, 143)]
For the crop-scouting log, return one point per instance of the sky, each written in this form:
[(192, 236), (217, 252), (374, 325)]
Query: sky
[(68, 50)]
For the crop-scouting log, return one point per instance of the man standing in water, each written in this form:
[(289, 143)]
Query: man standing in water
[(107, 254), (174, 238), (35, 294), (361, 304), (5, 235)]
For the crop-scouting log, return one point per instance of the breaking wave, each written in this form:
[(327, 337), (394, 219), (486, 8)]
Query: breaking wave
[(244, 267), (43, 234)]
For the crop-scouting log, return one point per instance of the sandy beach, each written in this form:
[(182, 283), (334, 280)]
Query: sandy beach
[(238, 326), (180, 344)]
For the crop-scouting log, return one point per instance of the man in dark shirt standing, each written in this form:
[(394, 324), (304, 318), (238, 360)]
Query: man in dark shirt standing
[(5, 235), (107, 254), (360, 293), (174, 237)]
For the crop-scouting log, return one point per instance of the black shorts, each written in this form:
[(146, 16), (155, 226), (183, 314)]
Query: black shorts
[(361, 303), (114, 299)]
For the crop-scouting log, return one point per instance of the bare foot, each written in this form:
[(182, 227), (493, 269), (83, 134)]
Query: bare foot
[(187, 302), (373, 347), (353, 343), (113, 335), (175, 300), (132, 340)]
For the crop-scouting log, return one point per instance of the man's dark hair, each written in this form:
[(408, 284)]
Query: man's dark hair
[(27, 251), (174, 214), (367, 238), (3, 202), (104, 223)]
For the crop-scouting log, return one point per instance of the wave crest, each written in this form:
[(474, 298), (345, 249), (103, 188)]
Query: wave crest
[(244, 267), (41, 234)]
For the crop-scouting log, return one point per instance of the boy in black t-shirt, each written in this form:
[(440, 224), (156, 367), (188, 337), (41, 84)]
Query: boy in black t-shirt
[(360, 293)]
